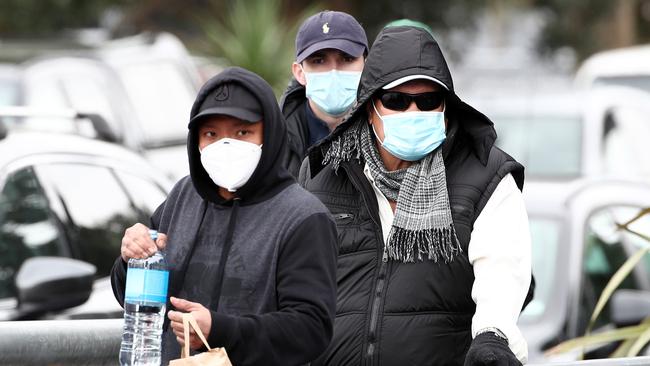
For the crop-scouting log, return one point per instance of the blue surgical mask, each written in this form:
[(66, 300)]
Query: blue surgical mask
[(333, 91), (411, 136)]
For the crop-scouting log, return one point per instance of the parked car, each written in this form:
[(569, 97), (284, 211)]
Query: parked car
[(143, 86), (576, 250), (65, 201), (569, 134), (11, 90), (629, 66)]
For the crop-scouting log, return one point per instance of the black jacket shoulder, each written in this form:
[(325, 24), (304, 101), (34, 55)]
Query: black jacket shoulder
[(292, 105)]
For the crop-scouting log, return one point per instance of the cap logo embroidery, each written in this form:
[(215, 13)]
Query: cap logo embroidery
[(221, 92), (326, 28)]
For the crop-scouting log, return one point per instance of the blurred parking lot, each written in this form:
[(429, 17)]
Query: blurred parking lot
[(92, 137)]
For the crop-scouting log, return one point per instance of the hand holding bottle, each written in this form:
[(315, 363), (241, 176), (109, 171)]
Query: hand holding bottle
[(137, 243)]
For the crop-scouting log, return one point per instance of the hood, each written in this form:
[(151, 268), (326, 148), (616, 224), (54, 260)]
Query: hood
[(400, 51), (270, 177), (291, 102), (293, 97)]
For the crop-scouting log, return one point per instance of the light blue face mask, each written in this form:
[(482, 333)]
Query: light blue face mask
[(411, 136), (333, 91)]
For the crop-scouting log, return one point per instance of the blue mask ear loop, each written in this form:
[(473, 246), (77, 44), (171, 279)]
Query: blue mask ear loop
[(373, 126)]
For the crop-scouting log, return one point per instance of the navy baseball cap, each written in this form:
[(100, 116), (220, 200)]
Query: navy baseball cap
[(330, 29), (230, 99)]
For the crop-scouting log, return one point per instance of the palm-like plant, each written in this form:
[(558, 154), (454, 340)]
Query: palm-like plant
[(634, 337), (255, 35)]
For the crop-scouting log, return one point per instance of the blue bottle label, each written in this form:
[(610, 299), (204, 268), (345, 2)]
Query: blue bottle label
[(146, 285)]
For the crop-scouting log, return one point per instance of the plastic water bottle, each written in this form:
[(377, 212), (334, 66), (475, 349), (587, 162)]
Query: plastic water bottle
[(144, 309)]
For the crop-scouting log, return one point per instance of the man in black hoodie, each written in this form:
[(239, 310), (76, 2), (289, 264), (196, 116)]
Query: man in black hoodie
[(330, 50), (434, 255), (251, 254)]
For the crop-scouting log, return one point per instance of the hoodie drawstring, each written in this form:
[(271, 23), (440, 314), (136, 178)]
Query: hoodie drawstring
[(225, 251)]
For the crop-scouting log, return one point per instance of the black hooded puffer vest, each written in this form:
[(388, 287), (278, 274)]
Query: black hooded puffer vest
[(392, 313)]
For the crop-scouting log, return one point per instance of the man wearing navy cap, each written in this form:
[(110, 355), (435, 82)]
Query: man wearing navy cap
[(330, 54)]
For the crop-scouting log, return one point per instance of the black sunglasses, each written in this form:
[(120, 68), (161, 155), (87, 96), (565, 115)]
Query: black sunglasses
[(401, 101)]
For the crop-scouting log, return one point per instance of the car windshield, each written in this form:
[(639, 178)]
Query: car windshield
[(635, 81), (162, 97), (548, 146), (545, 234), (8, 92)]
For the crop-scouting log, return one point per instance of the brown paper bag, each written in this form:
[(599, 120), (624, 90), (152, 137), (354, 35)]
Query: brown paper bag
[(213, 357)]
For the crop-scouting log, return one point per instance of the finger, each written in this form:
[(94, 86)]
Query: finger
[(162, 241), (138, 234), (143, 245), (179, 334), (175, 316), (135, 250), (180, 341), (147, 245), (184, 305), (176, 326)]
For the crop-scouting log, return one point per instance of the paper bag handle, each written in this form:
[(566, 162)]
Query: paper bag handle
[(188, 320)]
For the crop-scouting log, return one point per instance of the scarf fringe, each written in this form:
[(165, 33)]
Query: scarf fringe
[(344, 147), (434, 244)]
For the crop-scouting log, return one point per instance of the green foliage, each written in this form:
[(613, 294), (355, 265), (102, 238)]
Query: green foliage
[(33, 18), (254, 34), (582, 24)]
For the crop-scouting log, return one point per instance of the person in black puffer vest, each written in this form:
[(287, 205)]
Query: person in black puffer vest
[(434, 261)]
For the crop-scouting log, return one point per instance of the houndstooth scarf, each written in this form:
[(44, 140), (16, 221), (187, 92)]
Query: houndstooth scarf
[(423, 225)]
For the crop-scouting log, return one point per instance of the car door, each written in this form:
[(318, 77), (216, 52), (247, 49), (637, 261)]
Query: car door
[(75, 207), (600, 247)]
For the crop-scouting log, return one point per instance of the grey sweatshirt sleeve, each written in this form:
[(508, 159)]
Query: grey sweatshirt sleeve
[(306, 287), (118, 272)]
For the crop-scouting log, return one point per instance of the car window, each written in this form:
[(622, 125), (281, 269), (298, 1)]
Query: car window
[(145, 194), (88, 94), (96, 206), (9, 92), (606, 248), (635, 81), (545, 235), (28, 227), (546, 146), (625, 142), (162, 96)]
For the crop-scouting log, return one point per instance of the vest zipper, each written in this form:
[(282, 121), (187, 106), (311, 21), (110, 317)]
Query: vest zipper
[(342, 216), (382, 258)]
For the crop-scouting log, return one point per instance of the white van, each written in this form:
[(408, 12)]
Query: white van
[(628, 66)]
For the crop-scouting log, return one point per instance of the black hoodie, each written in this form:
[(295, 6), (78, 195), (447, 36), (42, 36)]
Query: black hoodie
[(391, 58), (272, 302)]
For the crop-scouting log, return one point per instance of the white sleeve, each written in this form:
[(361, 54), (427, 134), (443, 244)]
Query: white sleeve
[(500, 252)]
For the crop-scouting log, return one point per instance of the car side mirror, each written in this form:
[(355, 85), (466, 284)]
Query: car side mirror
[(47, 284), (629, 307)]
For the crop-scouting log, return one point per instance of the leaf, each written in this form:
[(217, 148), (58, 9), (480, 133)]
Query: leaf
[(638, 345), (595, 339), (641, 213), (256, 35), (624, 348), (614, 282)]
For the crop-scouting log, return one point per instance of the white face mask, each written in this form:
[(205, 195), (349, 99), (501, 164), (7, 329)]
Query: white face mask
[(230, 163)]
